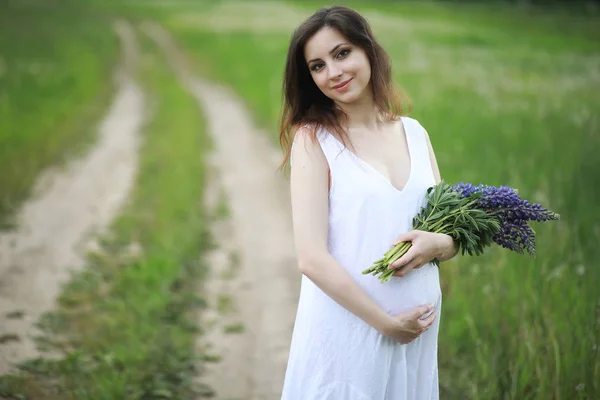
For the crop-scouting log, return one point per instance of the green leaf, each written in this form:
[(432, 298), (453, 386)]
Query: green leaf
[(471, 220), (437, 215)]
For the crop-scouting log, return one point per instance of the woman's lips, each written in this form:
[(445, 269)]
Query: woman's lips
[(342, 86)]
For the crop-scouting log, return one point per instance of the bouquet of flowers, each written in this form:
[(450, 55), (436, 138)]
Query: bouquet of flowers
[(475, 217)]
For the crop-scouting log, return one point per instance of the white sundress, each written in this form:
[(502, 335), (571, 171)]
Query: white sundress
[(335, 355)]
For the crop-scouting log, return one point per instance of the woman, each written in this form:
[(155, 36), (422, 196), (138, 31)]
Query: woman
[(359, 174)]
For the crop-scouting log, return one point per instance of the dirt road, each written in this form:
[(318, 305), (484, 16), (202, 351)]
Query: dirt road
[(253, 284), (254, 242), (69, 207)]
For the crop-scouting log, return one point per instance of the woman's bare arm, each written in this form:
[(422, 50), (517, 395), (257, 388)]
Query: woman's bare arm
[(309, 192)]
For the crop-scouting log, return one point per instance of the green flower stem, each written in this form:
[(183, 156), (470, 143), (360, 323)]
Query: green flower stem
[(390, 256), (397, 252), (440, 226), (452, 213)]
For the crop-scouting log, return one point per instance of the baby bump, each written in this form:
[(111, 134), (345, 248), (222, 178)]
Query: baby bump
[(418, 287)]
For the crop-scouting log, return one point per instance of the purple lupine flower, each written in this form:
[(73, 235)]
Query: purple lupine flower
[(506, 203), (465, 189), (512, 212), (484, 215), (535, 212), (498, 197), (491, 197), (516, 236)]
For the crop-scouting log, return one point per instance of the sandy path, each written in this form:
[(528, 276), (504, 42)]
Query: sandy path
[(70, 205), (256, 243)]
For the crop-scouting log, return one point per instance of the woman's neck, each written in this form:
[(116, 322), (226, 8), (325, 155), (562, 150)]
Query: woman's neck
[(362, 114)]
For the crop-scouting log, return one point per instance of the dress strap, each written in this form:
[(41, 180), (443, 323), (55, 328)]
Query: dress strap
[(419, 149), (331, 148)]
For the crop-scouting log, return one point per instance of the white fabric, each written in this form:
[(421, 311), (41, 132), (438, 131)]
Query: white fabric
[(334, 355)]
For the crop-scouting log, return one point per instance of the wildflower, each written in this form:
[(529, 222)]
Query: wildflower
[(475, 217)]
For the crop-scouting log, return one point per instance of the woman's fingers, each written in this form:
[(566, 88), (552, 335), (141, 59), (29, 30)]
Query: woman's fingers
[(406, 258), (425, 325), (417, 327), (405, 237), (414, 263), (412, 337), (406, 340), (402, 271), (426, 322)]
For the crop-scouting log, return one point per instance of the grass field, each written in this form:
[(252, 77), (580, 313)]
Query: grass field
[(508, 97), (55, 81), (127, 321)]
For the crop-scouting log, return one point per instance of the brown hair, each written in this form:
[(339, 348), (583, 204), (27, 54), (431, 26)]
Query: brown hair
[(303, 101)]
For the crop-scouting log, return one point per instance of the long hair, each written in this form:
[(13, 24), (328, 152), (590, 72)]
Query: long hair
[(305, 104)]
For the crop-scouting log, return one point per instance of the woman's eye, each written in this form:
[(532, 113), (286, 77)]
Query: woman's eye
[(343, 53), (316, 67)]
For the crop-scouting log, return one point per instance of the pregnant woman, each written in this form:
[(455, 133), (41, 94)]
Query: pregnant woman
[(359, 173)]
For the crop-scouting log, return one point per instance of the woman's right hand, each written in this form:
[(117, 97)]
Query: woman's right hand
[(408, 325)]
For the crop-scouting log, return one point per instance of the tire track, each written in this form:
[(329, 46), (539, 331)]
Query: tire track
[(71, 205), (265, 287)]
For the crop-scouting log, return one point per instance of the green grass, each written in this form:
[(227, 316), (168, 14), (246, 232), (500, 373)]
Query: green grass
[(246, 77), (55, 82), (225, 304), (234, 328), (508, 97), (126, 322)]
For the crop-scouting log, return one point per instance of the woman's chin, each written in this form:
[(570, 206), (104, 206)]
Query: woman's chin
[(346, 98)]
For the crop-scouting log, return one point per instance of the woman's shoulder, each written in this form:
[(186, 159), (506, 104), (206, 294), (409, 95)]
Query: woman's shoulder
[(316, 135), (306, 140), (307, 133)]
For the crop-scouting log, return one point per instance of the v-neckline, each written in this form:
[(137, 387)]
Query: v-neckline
[(379, 173)]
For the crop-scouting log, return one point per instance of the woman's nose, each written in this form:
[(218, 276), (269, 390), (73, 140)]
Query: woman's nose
[(334, 71)]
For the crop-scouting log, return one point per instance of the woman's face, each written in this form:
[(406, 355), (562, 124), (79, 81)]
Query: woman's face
[(340, 69)]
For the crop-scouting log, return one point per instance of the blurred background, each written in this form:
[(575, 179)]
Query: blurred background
[(508, 91)]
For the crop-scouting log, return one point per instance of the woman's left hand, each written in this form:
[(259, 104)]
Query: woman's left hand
[(426, 246)]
